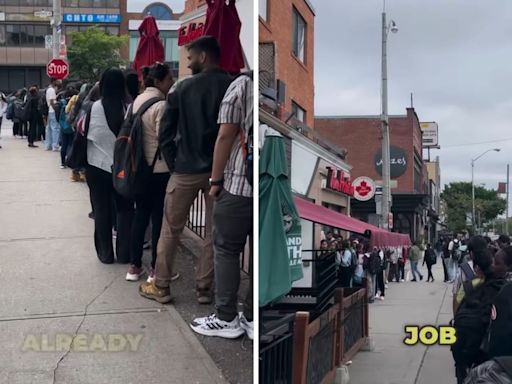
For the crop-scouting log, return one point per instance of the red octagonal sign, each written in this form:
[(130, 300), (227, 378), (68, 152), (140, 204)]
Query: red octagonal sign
[(57, 69)]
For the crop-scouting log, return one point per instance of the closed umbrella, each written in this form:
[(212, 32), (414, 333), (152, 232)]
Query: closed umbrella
[(223, 23), (280, 260), (150, 49)]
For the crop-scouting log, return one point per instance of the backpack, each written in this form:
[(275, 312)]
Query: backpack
[(247, 143), (499, 333), (130, 171), (374, 263), (495, 371), (430, 256), (43, 106), (471, 322), (63, 118)]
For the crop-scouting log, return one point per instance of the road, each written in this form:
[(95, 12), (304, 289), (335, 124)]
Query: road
[(392, 362), (65, 317)]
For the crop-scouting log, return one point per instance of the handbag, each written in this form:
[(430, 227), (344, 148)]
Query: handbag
[(78, 154)]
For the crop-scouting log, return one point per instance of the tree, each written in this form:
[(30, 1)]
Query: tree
[(92, 52), (457, 196)]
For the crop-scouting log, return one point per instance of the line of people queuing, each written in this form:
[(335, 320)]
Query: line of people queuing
[(196, 137), (482, 309)]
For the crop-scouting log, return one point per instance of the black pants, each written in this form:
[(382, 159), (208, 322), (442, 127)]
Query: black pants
[(102, 195), (394, 272), (430, 275), (32, 132), (445, 271), (148, 206), (67, 140), (41, 128), (345, 275), (16, 129), (380, 283), (232, 225)]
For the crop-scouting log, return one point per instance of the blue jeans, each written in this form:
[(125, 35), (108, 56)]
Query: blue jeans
[(52, 132), (414, 270), (452, 268)]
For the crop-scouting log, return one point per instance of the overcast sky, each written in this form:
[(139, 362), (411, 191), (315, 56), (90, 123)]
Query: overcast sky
[(454, 55)]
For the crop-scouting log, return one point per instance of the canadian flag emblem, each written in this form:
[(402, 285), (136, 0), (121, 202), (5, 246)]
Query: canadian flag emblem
[(121, 174), (364, 189)]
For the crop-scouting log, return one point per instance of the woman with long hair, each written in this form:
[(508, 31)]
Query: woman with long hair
[(150, 204), (105, 121)]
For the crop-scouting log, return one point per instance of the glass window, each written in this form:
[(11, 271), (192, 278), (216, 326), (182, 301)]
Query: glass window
[(40, 31), (172, 52), (158, 11), (112, 4), (298, 112), (299, 36), (99, 3), (114, 31), (264, 9), (12, 35), (134, 43), (2, 35), (12, 2), (85, 3), (71, 3), (26, 35)]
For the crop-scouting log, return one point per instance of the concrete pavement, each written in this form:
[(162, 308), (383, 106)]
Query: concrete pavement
[(393, 362), (65, 317)]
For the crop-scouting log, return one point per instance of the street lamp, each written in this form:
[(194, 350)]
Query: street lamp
[(473, 221), (386, 167)]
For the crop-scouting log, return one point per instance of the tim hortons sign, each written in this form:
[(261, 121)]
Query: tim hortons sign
[(339, 181)]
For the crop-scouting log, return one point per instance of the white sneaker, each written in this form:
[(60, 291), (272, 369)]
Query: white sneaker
[(134, 273), (402, 280), (151, 277), (213, 326), (247, 326), (386, 286)]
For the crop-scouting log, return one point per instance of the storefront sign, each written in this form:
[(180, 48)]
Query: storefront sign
[(364, 188), (398, 161), (23, 17), (189, 33), (430, 135), (91, 18), (340, 182)]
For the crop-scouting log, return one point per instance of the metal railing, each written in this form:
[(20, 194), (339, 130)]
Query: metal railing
[(196, 222)]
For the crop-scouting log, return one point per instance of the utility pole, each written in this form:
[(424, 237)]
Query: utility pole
[(57, 27), (508, 194), (386, 167)]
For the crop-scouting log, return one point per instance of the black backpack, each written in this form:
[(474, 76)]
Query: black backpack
[(374, 264), (43, 105), (499, 335), (471, 322), (131, 171)]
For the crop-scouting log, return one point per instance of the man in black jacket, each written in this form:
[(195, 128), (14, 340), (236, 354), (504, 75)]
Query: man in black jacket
[(187, 138)]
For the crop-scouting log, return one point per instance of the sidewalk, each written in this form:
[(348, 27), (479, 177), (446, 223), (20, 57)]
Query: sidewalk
[(54, 290), (393, 362)]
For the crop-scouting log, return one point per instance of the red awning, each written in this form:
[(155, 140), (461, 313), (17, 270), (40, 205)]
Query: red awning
[(321, 215)]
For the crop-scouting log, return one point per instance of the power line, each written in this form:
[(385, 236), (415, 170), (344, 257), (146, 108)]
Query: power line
[(477, 143)]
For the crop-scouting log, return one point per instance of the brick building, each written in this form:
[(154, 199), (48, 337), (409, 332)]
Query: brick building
[(361, 137), (286, 46)]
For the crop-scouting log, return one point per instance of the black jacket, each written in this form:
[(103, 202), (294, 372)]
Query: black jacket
[(189, 126)]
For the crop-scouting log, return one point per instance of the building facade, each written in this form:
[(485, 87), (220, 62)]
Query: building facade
[(435, 224), (286, 46), (361, 137)]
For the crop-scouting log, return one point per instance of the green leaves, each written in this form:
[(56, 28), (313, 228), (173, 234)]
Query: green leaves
[(457, 196), (94, 51)]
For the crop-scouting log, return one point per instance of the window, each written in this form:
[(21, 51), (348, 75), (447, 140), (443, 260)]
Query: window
[(99, 4), (264, 9), (158, 11), (299, 36), (2, 35), (85, 3), (172, 52), (298, 112), (24, 35), (12, 35), (71, 3)]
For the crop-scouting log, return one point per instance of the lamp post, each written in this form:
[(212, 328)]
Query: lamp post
[(473, 219), (386, 167)]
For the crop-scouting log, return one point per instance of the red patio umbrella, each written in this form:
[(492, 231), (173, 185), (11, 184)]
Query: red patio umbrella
[(150, 49), (223, 23)]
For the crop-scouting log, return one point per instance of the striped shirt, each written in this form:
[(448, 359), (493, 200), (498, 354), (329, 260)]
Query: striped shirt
[(237, 108)]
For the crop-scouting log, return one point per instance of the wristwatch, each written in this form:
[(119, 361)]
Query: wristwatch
[(216, 183)]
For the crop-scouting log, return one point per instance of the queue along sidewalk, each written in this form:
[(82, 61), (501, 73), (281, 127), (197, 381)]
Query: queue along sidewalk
[(65, 317), (393, 362)]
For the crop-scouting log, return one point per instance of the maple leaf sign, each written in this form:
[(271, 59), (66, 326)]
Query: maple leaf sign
[(363, 189)]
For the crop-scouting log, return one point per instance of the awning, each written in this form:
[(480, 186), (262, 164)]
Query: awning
[(321, 215)]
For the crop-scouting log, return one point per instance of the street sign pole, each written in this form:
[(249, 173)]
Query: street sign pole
[(57, 27)]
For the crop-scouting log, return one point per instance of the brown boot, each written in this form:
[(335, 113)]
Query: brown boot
[(75, 177)]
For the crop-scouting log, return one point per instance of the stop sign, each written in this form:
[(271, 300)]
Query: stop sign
[(57, 69)]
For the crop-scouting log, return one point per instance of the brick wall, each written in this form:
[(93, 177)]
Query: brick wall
[(298, 77), (362, 139)]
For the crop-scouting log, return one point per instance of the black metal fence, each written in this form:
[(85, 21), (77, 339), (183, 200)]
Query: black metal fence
[(196, 222)]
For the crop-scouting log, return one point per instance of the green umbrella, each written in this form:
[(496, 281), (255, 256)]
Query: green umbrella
[(280, 229)]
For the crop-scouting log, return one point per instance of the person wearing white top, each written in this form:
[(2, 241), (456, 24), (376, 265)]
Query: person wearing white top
[(3, 109), (52, 128), (106, 119)]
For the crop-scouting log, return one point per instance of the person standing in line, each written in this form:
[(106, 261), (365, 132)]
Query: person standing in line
[(503, 241), (149, 205), (67, 132), (52, 127), (3, 110), (32, 115), (232, 214), (105, 120), (430, 259), (381, 282), (344, 261), (415, 256), (187, 139)]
